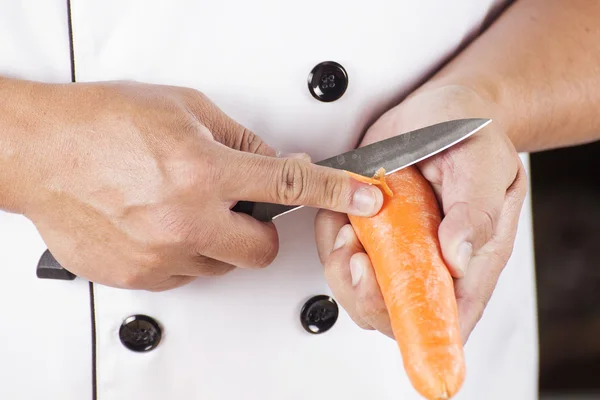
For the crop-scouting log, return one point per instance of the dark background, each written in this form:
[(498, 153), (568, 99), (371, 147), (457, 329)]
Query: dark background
[(566, 215)]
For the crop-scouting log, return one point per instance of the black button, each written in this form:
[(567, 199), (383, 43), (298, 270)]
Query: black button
[(328, 81), (319, 314), (140, 333)]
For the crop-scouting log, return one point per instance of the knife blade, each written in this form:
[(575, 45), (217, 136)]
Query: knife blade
[(392, 154)]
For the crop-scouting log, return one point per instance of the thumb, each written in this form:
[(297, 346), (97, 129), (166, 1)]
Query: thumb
[(472, 198), (295, 181), (463, 231)]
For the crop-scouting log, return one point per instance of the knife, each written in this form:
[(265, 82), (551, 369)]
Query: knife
[(392, 154)]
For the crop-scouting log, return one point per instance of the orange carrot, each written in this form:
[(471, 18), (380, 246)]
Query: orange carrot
[(418, 290)]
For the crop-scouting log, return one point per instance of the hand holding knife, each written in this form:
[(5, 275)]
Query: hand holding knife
[(392, 154)]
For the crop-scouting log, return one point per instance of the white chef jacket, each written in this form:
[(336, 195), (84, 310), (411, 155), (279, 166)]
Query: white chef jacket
[(240, 336)]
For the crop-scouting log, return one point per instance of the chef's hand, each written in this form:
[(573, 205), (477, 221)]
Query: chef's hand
[(481, 185), (139, 181)]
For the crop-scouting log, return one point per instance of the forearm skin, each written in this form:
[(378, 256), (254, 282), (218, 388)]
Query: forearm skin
[(538, 66)]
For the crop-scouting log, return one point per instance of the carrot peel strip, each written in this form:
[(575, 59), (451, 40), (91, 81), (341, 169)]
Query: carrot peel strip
[(378, 179)]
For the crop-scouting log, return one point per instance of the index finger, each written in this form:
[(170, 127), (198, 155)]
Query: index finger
[(293, 181)]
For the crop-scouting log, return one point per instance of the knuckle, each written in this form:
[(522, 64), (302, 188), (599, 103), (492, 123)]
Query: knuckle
[(333, 192), (292, 183), (487, 222), (189, 172), (249, 141), (478, 221), (187, 125), (199, 105)]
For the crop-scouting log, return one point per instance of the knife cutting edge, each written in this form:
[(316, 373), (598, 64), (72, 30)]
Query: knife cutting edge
[(392, 154)]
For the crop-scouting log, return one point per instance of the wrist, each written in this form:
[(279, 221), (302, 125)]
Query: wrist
[(24, 139)]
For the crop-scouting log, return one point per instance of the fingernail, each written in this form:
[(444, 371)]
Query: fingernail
[(341, 239), (356, 269), (465, 249), (365, 200)]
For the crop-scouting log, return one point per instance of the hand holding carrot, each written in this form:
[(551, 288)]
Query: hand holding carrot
[(481, 186)]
